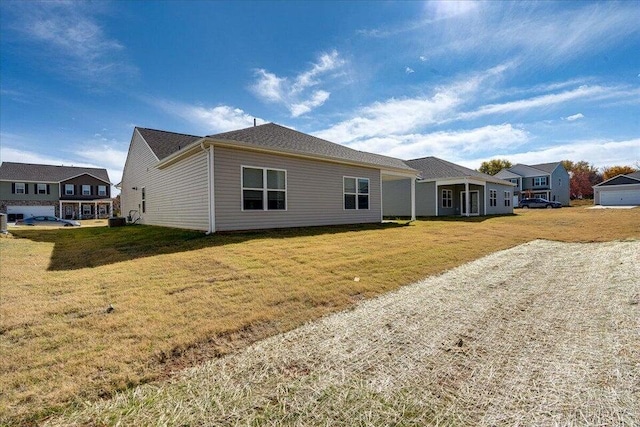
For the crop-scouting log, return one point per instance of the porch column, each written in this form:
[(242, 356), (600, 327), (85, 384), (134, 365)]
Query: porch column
[(95, 210), (60, 212), (111, 208), (413, 199), (466, 197)]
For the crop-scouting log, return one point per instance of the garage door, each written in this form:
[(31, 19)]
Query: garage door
[(29, 211), (620, 198)]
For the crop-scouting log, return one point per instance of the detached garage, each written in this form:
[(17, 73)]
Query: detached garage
[(622, 190)]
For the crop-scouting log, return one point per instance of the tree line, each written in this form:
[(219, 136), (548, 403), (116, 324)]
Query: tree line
[(583, 175)]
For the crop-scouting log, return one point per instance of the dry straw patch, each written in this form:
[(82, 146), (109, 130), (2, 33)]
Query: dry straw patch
[(182, 297), (533, 335)]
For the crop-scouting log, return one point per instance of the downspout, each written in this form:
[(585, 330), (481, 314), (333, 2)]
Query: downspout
[(211, 228)]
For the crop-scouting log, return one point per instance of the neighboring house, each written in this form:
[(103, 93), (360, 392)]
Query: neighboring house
[(444, 189), (547, 180), (620, 190), (65, 191), (261, 177)]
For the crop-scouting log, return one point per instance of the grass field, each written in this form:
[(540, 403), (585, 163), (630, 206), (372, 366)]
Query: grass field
[(182, 297)]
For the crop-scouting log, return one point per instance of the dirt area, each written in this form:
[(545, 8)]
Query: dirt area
[(545, 333)]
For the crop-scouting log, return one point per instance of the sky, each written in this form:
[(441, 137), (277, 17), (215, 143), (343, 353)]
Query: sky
[(531, 82)]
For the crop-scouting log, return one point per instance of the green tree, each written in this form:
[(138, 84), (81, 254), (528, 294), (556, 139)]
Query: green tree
[(493, 166), (612, 171)]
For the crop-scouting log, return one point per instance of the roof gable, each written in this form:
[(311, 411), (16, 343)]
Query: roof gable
[(620, 180), (279, 138), (163, 143), (435, 168), (11, 171)]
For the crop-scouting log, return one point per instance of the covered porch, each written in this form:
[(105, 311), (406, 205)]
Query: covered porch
[(460, 197), (86, 209)]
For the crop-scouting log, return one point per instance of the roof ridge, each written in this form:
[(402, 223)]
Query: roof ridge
[(168, 131), (53, 166)]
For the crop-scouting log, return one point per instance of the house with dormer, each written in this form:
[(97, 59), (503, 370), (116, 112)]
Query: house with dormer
[(547, 180), (68, 192)]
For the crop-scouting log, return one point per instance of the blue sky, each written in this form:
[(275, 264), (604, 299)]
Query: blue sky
[(464, 81)]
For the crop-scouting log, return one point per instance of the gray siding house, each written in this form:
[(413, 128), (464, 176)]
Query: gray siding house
[(65, 191), (447, 189), (621, 190), (547, 180), (261, 177)]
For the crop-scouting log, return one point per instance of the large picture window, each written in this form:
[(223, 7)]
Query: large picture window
[(493, 198), (356, 193), (447, 198), (264, 189)]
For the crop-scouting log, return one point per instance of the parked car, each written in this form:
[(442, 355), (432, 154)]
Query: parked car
[(48, 220), (538, 202)]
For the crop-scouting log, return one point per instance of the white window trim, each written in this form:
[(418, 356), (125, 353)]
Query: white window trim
[(450, 198), (84, 208), (265, 190), (507, 199), (357, 193), (493, 197), (100, 192), (24, 187), (545, 180), (41, 186), (88, 188), (73, 190)]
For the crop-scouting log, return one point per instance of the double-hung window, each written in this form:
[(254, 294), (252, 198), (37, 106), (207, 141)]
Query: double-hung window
[(493, 198), (356, 193), (447, 198), (102, 190), (68, 189), (539, 181), (86, 190), (41, 188), (20, 188), (507, 198), (264, 189)]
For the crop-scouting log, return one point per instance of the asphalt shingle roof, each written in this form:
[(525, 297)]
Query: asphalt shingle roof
[(11, 171), (546, 167), (435, 168), (280, 138), (164, 143)]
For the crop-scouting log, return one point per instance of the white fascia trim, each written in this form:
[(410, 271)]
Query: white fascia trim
[(626, 176)]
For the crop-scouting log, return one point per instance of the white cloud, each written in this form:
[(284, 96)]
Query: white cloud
[(538, 32), (297, 93), (601, 153), (404, 116), (72, 40), (575, 117), (409, 70), (209, 119), (423, 58), (450, 145), (589, 92)]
